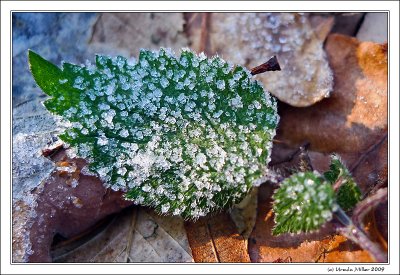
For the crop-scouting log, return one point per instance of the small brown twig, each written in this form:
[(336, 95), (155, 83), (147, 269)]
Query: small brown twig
[(364, 207), (271, 65), (353, 228)]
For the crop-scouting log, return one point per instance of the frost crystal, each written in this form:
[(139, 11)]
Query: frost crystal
[(303, 203), (174, 133)]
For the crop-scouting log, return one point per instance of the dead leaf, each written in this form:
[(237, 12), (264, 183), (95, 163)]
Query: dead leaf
[(244, 214), (68, 202), (341, 250), (159, 239), (215, 239), (33, 128), (135, 235), (374, 27), (109, 245), (116, 33), (250, 39)]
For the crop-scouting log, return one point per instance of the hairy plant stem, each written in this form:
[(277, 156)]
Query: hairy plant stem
[(353, 228)]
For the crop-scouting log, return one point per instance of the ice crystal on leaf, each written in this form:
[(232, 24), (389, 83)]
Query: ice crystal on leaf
[(185, 135), (348, 193), (303, 203)]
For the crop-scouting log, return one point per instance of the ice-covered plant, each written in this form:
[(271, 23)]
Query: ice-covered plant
[(307, 200), (185, 135), (348, 193)]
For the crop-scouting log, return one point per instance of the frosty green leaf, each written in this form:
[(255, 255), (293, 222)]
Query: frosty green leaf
[(302, 203), (185, 135), (348, 193)]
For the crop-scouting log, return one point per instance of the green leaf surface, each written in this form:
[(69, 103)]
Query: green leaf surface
[(302, 203), (348, 193), (185, 135)]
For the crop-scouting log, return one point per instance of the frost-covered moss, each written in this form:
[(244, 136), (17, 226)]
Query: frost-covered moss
[(184, 135)]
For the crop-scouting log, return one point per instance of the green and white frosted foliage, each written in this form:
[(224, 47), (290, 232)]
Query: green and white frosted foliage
[(303, 203), (185, 135)]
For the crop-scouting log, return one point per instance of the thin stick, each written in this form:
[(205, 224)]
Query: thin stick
[(353, 228), (271, 65)]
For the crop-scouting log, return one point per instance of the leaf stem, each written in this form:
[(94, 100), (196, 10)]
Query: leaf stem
[(271, 65)]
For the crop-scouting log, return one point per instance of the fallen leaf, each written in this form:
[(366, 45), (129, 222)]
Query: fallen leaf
[(127, 33), (135, 235), (341, 250), (159, 239), (216, 239), (108, 246), (33, 128), (250, 39), (374, 27), (244, 214), (370, 169), (67, 202)]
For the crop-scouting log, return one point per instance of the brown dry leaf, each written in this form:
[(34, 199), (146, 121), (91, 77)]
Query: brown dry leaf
[(216, 239), (341, 250), (244, 213), (108, 246), (159, 239), (135, 235), (250, 39), (67, 202), (127, 33)]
